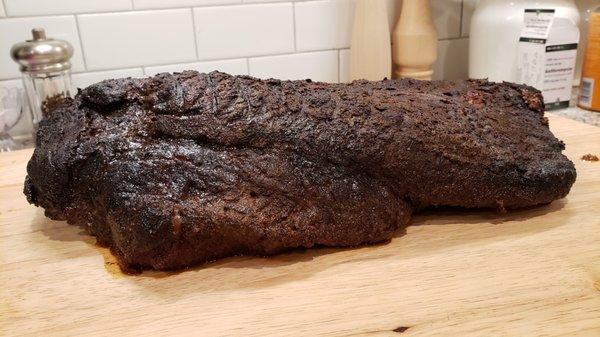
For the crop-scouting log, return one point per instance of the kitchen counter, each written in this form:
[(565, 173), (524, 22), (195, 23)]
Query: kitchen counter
[(578, 114)]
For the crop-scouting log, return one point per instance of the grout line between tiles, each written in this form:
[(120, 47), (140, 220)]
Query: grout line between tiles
[(3, 4), (115, 11), (247, 58), (86, 72), (238, 57), (462, 10), (195, 37), (294, 25), (133, 9), (107, 70), (248, 65), (80, 42)]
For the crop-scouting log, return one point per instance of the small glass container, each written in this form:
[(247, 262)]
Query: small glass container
[(46, 68), (12, 111)]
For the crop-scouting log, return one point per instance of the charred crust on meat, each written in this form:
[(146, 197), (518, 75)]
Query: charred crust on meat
[(179, 169)]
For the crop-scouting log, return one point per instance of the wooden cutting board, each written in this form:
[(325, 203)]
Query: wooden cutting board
[(532, 272)]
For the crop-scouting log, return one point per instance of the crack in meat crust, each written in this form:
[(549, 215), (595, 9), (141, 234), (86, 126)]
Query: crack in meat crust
[(185, 168)]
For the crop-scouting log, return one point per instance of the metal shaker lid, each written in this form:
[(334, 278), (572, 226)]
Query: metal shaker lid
[(42, 55)]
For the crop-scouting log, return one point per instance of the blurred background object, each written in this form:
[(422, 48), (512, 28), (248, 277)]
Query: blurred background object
[(415, 41), (494, 35), (585, 9), (12, 110), (370, 45), (589, 93), (530, 42)]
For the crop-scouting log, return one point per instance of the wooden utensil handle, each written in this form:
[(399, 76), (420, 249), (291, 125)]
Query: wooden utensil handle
[(414, 41), (370, 50)]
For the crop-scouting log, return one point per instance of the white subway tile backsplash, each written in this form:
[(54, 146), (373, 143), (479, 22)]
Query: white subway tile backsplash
[(128, 39), (318, 66), (290, 39), (246, 30), (82, 80), (323, 24), (468, 9), (453, 60), (344, 65), (152, 4), (446, 17), (13, 30), (232, 67), (48, 7)]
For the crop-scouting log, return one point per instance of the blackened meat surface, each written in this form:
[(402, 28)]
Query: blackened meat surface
[(185, 168)]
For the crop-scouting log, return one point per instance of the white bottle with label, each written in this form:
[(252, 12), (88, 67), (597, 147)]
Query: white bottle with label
[(496, 26), (560, 62)]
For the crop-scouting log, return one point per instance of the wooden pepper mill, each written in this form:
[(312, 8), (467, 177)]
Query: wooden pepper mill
[(414, 41), (370, 49)]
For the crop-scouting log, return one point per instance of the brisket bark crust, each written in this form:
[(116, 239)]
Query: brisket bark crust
[(185, 168)]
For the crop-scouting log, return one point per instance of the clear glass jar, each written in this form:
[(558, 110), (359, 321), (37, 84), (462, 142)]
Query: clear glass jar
[(12, 109), (43, 89)]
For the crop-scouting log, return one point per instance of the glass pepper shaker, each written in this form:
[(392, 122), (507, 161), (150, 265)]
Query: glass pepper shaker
[(46, 68)]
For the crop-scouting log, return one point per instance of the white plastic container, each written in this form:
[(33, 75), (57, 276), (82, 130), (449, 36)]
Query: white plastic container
[(495, 29)]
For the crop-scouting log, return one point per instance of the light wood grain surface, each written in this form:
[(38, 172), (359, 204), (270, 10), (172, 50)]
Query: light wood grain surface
[(532, 272), (370, 46)]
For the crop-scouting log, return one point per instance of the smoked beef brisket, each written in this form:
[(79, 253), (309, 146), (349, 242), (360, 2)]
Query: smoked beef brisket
[(185, 168)]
